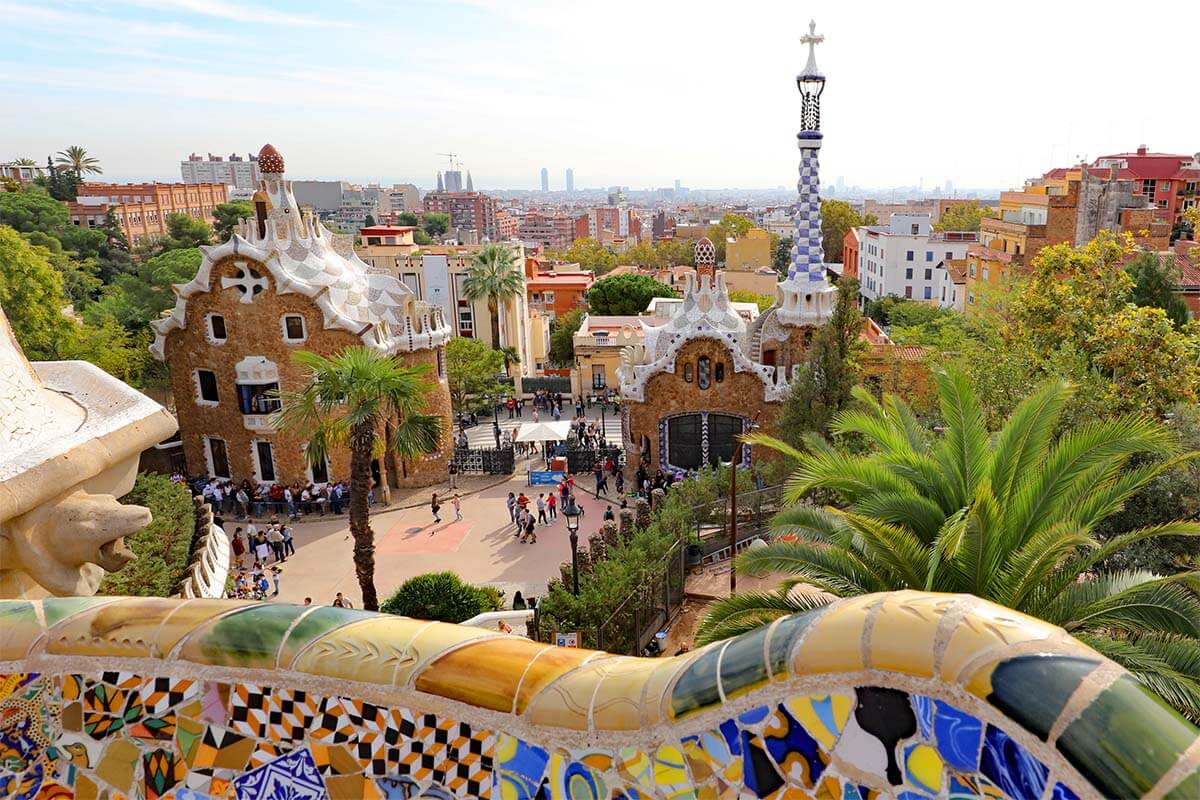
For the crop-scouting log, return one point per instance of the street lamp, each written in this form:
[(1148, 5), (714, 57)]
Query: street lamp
[(572, 513), (733, 459)]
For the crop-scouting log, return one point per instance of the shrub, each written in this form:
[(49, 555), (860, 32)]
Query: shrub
[(442, 596), (163, 547)]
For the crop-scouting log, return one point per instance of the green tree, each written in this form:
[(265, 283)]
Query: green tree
[(436, 224), (229, 214), (32, 209), (625, 295), (372, 403), (964, 218), (677, 252), (442, 597), (60, 182), (471, 371), (1156, 285), (781, 256), (512, 357), (838, 217), (31, 294), (183, 232), (138, 298), (764, 301), (589, 254), (829, 374), (643, 254), (408, 219), (731, 226), (113, 258), (77, 160), (562, 341), (494, 274), (1009, 517), (369, 222), (25, 162)]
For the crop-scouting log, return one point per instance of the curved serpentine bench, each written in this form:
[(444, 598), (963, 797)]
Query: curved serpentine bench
[(905, 695)]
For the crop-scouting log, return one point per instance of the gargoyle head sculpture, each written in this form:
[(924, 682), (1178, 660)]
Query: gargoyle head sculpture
[(70, 437)]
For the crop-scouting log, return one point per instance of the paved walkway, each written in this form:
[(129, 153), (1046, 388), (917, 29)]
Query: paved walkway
[(481, 548)]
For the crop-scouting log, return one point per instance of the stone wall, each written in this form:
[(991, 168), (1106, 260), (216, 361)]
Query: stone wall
[(255, 329), (904, 695), (667, 393)]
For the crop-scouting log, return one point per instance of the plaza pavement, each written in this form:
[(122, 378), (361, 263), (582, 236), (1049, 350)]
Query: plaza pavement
[(481, 548)]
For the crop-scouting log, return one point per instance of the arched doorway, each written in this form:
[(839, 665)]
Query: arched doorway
[(703, 438)]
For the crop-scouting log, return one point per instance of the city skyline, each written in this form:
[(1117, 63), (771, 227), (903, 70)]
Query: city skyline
[(201, 75)]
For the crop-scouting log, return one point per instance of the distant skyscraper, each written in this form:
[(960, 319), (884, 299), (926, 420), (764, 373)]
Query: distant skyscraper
[(441, 187), (949, 186), (454, 180), (545, 179), (570, 179), (470, 186), (678, 185)]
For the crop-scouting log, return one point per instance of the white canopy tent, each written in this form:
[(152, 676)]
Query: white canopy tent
[(544, 431)]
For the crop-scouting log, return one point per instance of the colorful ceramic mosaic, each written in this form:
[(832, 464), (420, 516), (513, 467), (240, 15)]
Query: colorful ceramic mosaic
[(908, 696)]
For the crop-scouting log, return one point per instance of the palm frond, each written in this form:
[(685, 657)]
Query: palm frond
[(1033, 563), (896, 547), (745, 612), (1130, 600), (1155, 662), (818, 563), (1025, 438), (909, 510)]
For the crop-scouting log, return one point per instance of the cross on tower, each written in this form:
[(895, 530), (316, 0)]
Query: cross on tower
[(812, 39)]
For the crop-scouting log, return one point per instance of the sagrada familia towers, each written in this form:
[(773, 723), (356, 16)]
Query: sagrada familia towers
[(706, 376)]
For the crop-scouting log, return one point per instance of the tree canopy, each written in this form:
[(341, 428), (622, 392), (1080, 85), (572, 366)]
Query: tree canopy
[(763, 301), (589, 254), (625, 295), (562, 333), (1155, 285), (838, 217), (964, 217), (228, 215), (730, 226), (471, 370)]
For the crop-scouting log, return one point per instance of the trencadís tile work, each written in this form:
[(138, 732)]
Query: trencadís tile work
[(903, 695)]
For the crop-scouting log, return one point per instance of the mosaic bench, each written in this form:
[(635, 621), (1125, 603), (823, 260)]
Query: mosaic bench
[(905, 695)]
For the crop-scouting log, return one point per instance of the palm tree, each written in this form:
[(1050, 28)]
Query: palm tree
[(25, 162), (76, 159), (511, 357), (1008, 517), (351, 399), (495, 274)]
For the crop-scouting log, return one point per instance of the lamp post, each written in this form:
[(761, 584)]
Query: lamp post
[(733, 460), (572, 513)]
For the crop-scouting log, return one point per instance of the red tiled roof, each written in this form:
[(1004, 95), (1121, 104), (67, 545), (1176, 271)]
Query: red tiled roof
[(990, 253), (1189, 267), (901, 352), (386, 230), (1159, 166)]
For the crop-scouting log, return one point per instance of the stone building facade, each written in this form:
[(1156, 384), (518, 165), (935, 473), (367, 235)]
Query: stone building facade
[(281, 284)]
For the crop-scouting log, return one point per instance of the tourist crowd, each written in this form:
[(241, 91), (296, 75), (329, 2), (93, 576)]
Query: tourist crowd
[(249, 499)]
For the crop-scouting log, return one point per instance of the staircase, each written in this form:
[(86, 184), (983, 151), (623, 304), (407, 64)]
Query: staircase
[(756, 344)]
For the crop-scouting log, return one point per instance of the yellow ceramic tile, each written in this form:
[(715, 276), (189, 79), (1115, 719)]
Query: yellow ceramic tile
[(988, 628), (125, 629), (19, 629), (656, 696), (552, 663), (85, 788), (488, 673), (369, 651), (618, 700), (904, 632), (834, 642), (433, 640), (565, 703), (118, 763)]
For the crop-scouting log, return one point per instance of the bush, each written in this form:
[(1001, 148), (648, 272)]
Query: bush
[(442, 596), (163, 547)]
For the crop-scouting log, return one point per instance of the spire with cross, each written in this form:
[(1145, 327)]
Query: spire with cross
[(811, 83), (812, 39)]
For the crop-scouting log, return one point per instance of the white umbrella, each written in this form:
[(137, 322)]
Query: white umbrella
[(544, 431)]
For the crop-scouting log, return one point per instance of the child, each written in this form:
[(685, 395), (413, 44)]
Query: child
[(275, 578), (457, 503), (434, 506)]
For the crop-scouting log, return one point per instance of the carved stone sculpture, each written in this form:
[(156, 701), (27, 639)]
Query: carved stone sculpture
[(70, 438)]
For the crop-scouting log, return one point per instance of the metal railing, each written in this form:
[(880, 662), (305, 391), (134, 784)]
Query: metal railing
[(488, 460)]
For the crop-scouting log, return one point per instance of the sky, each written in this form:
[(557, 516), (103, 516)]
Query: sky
[(626, 93)]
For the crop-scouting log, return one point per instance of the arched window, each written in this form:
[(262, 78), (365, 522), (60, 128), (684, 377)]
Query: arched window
[(703, 372), (720, 371), (687, 372)]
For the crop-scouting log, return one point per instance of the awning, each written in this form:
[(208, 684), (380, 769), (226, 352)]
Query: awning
[(544, 431)]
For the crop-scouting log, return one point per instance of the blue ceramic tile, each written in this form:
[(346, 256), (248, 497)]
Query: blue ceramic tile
[(794, 747), (923, 706), (754, 715), (1061, 792), (958, 737), (293, 776), (1010, 766)]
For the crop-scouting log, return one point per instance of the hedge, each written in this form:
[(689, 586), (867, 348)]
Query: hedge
[(164, 547), (442, 596)]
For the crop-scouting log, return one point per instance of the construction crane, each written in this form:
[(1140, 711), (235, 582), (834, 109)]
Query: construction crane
[(454, 162)]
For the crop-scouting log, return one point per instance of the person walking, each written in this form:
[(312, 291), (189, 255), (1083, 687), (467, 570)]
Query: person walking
[(275, 539), (511, 502), (289, 547), (541, 508), (261, 548), (552, 505), (457, 503), (239, 547), (453, 474), (341, 602), (275, 572), (609, 516), (434, 506)]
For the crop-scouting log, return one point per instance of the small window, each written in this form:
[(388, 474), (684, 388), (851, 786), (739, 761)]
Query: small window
[(949, 255), (320, 472), (908, 256), (206, 380), (916, 229), (216, 328), (293, 328), (266, 461), (719, 372), (928, 274), (972, 270), (908, 274), (703, 372), (928, 256), (218, 457), (928, 292), (687, 372), (908, 292), (985, 273)]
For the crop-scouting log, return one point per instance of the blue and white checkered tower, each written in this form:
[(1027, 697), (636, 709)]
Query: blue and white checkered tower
[(806, 296)]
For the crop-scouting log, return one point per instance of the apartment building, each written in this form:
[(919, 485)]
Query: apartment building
[(241, 173), (141, 209), (904, 258), (470, 211)]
